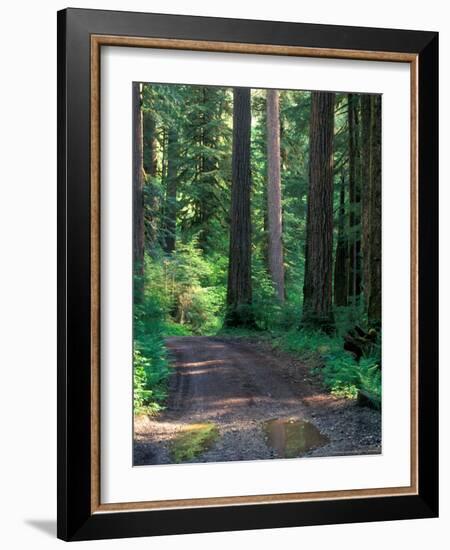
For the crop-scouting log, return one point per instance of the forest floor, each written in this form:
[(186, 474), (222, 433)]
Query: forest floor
[(238, 386)]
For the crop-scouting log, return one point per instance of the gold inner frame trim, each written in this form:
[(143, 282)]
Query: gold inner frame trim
[(97, 41)]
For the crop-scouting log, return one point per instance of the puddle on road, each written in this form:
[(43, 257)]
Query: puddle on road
[(291, 438), (193, 440)]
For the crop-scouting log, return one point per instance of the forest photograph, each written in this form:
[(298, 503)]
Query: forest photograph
[(256, 273)]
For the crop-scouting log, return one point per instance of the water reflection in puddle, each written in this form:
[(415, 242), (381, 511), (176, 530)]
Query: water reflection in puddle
[(291, 438)]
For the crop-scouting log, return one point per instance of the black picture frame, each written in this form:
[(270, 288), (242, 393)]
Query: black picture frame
[(76, 521)]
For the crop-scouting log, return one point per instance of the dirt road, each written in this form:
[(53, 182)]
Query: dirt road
[(240, 385)]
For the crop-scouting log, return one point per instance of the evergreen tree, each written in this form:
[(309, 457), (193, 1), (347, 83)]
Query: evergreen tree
[(317, 289), (274, 212), (374, 302), (239, 289), (138, 181)]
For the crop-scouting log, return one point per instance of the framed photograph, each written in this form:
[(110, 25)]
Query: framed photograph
[(247, 253)]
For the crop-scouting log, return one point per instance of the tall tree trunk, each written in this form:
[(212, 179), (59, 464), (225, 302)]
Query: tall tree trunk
[(341, 260), (366, 185), (374, 305), (317, 289), (151, 196), (138, 182), (239, 290), (149, 141), (354, 202), (171, 209), (274, 215)]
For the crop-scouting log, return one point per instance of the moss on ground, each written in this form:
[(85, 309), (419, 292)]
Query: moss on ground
[(193, 440)]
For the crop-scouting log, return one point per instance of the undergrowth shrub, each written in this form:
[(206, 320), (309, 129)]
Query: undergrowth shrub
[(344, 376), (150, 363), (265, 308), (338, 369), (195, 288)]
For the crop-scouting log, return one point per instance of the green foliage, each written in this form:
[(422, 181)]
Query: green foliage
[(312, 347), (147, 394), (175, 329), (195, 287), (338, 369), (345, 377), (202, 118), (151, 366), (187, 290), (266, 309)]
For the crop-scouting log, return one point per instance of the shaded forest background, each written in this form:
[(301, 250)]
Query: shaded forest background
[(258, 212)]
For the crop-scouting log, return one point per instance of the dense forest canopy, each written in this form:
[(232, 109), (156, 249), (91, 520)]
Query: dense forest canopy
[(255, 209)]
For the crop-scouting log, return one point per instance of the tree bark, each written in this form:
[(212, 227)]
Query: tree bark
[(138, 181), (149, 141), (151, 196), (317, 289), (366, 185), (374, 305), (274, 213), (239, 290), (354, 289), (171, 193), (341, 260)]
